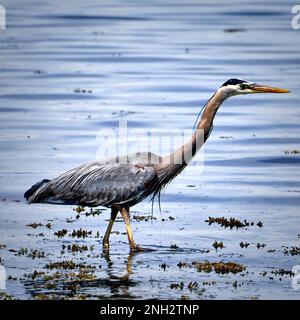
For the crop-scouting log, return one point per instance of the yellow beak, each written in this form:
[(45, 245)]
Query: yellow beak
[(265, 89)]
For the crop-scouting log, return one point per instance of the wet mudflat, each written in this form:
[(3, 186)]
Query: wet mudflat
[(68, 73)]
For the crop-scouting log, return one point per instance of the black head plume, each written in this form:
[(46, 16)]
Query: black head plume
[(232, 82)]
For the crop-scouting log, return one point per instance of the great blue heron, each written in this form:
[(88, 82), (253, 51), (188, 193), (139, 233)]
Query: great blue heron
[(121, 184)]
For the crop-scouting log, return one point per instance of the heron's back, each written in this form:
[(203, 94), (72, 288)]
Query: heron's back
[(109, 182)]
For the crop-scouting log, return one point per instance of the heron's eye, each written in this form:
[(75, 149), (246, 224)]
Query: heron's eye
[(243, 86)]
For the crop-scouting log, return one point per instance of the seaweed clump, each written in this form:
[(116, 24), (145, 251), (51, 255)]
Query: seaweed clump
[(219, 267), (34, 225), (218, 245), (69, 264), (80, 233), (61, 233), (283, 272), (77, 248), (177, 285), (232, 222), (143, 218), (293, 251)]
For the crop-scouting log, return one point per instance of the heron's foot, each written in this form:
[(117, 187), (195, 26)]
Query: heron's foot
[(137, 248)]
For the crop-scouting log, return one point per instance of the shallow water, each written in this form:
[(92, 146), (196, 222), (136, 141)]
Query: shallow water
[(152, 64)]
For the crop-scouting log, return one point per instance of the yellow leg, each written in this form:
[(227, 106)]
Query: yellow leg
[(125, 215), (113, 215)]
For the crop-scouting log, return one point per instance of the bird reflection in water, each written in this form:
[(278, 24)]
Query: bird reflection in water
[(120, 284)]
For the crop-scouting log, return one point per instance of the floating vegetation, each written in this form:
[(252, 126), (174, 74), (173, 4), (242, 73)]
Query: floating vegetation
[(283, 272), (164, 266), (39, 72), (170, 218), (33, 253), (76, 248), (224, 222), (218, 245), (21, 252), (234, 30), (36, 254), (193, 285), (68, 264), (93, 212), (143, 218), (51, 286), (61, 233), (79, 209), (34, 225), (259, 224), (78, 90), (209, 283), (43, 296), (177, 285), (82, 275), (183, 265), (219, 267), (36, 235), (232, 222), (244, 244), (80, 233), (291, 151), (6, 296), (293, 251), (50, 277), (34, 275)]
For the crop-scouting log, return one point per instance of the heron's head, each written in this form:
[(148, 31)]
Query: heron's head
[(234, 87)]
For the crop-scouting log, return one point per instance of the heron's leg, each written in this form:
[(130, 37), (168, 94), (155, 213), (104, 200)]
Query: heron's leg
[(125, 215), (113, 215)]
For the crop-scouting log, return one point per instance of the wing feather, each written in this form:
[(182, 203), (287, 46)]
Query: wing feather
[(96, 183)]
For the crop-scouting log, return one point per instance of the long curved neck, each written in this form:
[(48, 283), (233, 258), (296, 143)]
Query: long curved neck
[(203, 128)]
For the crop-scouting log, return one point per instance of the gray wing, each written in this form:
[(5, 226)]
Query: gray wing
[(96, 183)]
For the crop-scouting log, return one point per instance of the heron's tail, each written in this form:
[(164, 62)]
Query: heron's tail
[(35, 187)]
